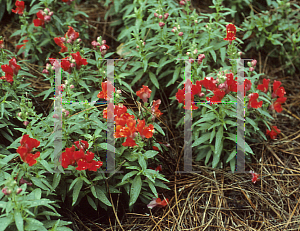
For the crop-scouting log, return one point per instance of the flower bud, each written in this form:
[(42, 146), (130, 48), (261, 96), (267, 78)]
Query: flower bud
[(161, 24), (55, 116), (195, 51), (47, 10), (253, 62), (6, 192), (45, 71), (251, 69), (187, 53), (182, 3), (72, 86), (137, 47), (155, 15), (160, 16), (178, 27), (196, 21), (79, 40), (72, 65), (119, 91), (69, 40), (19, 114), (201, 94), (166, 15), (180, 33), (173, 30), (200, 58), (26, 123), (47, 18), (19, 190), (240, 53)]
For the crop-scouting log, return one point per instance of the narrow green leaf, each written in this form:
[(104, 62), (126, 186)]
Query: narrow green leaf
[(151, 153), (102, 197), (158, 128), (154, 79), (232, 155), (76, 190), (201, 140), (213, 54), (142, 161), (135, 189), (223, 53), (92, 203), (19, 220)]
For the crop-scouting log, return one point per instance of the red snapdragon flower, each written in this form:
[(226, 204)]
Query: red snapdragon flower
[(254, 176), (143, 130), (103, 94), (20, 7), (278, 91), (157, 202), (79, 60), (65, 64), (218, 96), (273, 133), (40, 19), (208, 83), (10, 70), (27, 144), (231, 82), (1, 44), (71, 35), (264, 86), (154, 109), (144, 93), (277, 104), (253, 101), (60, 42), (231, 31), (247, 86)]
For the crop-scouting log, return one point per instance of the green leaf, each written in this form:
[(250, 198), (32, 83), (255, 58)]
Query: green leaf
[(223, 53), (145, 62), (250, 121), (142, 162), (154, 79), (5, 221), (151, 153), (76, 190), (202, 139), (127, 86), (135, 189), (247, 35), (202, 153), (176, 74), (38, 182), (248, 149), (128, 175), (232, 155), (102, 197), (232, 164), (46, 165), (208, 155), (158, 128), (19, 220), (213, 54), (153, 189), (82, 83), (92, 203), (212, 135), (56, 180), (217, 155), (34, 9), (33, 224)]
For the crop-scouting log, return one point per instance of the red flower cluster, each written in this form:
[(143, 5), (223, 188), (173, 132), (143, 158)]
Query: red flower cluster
[(79, 60), (10, 70), (154, 109), (20, 7), (103, 94), (231, 31), (253, 103), (43, 16), (277, 91), (71, 36), (273, 133), (83, 157), (123, 118), (157, 202), (27, 144)]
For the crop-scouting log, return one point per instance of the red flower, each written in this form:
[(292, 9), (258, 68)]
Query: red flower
[(154, 109), (13, 64), (247, 86), (23, 45), (277, 104), (79, 60), (180, 95), (264, 86), (1, 44), (254, 176), (103, 94), (143, 130), (27, 144), (129, 142), (196, 89), (20, 7), (159, 168), (40, 20), (71, 34), (144, 93), (82, 144), (231, 31), (8, 73), (60, 42), (253, 101), (208, 83), (67, 157), (65, 64), (273, 133), (157, 202), (231, 83), (218, 96), (278, 91)]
